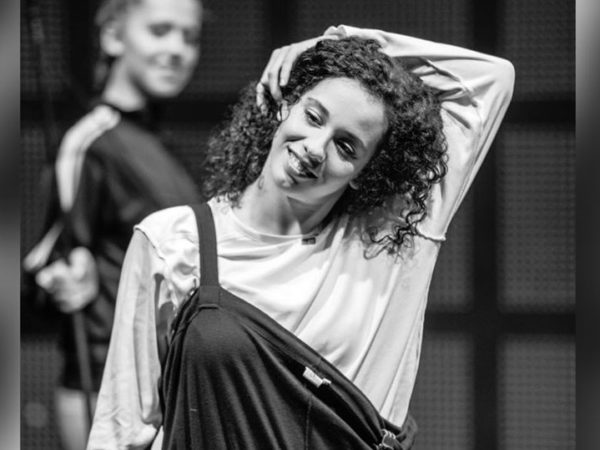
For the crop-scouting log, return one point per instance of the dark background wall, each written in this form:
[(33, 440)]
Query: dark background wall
[(498, 360)]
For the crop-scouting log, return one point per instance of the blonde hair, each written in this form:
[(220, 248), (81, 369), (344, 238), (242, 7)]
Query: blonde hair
[(109, 11)]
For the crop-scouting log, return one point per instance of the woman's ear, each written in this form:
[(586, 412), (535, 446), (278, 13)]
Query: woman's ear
[(111, 39)]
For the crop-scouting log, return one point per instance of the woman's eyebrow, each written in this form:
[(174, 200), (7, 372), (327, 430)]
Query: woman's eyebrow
[(314, 102)]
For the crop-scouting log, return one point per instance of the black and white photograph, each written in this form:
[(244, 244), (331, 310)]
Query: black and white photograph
[(297, 225)]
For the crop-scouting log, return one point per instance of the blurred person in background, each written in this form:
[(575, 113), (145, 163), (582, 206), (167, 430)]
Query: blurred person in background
[(110, 172)]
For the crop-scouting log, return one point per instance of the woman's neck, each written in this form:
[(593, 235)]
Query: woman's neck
[(267, 211), (120, 92)]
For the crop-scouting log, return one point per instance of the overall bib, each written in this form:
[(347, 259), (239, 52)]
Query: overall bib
[(233, 378)]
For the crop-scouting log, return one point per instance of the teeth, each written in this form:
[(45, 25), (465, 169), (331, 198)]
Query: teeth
[(296, 164)]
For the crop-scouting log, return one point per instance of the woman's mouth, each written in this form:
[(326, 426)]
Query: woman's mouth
[(298, 167)]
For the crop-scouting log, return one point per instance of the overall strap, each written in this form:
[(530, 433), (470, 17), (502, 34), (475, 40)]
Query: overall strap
[(206, 295), (208, 245)]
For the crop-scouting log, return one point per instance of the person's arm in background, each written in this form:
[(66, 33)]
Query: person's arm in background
[(475, 90), (79, 184), (73, 280)]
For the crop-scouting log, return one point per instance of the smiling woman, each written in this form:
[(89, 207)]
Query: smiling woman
[(287, 312), (322, 145), (382, 136), (152, 49)]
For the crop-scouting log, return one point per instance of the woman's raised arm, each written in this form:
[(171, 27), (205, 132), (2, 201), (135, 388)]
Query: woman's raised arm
[(475, 90)]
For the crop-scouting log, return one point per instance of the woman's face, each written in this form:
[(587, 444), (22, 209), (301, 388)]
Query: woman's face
[(325, 140), (158, 43)]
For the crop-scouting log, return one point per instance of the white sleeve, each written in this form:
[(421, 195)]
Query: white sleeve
[(128, 413), (475, 90)]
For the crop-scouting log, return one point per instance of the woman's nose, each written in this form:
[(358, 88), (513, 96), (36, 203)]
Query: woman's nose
[(315, 151), (315, 159)]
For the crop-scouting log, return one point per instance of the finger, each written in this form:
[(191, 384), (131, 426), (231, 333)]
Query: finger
[(44, 279), (290, 56), (273, 74), (260, 97), (69, 297), (77, 263), (60, 269), (286, 67), (50, 277), (264, 78), (81, 262)]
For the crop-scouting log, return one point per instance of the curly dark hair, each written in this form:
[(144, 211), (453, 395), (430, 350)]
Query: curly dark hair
[(409, 159)]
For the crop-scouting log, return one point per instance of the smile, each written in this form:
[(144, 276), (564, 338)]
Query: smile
[(298, 167)]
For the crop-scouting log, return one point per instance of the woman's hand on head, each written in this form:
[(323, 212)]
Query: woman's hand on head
[(277, 71)]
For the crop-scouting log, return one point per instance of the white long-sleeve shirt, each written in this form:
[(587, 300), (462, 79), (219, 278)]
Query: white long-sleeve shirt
[(364, 315)]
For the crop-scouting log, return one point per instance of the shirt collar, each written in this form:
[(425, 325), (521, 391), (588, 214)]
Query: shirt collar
[(147, 117)]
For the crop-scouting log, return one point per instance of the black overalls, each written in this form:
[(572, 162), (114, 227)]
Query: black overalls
[(234, 378)]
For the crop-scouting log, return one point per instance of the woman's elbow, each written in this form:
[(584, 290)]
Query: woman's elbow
[(504, 73)]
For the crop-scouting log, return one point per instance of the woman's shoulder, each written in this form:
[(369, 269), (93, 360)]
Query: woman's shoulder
[(171, 239), (170, 225)]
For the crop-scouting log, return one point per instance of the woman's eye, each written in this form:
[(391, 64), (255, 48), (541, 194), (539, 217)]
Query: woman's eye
[(346, 149), (313, 117)]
